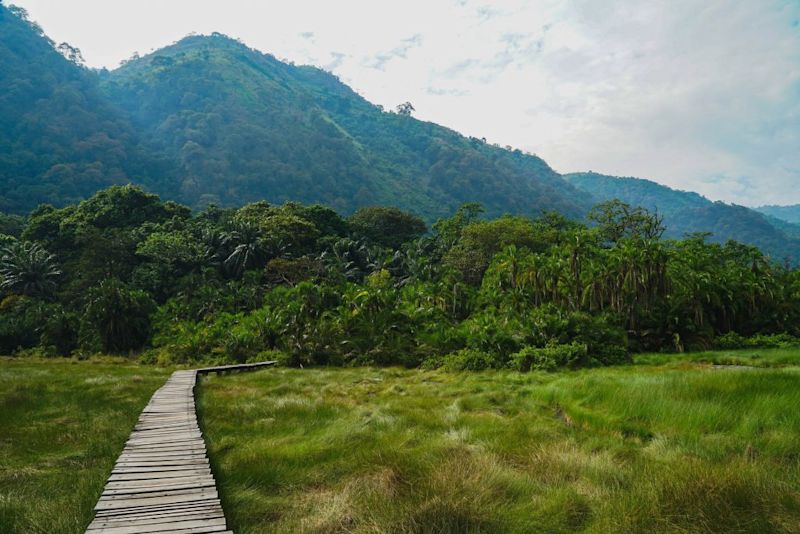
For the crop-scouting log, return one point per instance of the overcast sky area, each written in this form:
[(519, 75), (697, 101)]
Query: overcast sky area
[(701, 95)]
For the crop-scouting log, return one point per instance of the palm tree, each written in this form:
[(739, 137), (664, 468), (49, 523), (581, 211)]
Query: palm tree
[(249, 248), (27, 268)]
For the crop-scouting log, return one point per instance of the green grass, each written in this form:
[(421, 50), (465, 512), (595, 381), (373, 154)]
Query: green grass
[(749, 357), (676, 447), (62, 425), (668, 444)]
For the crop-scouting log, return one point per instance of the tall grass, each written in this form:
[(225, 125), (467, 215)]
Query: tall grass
[(681, 448), (62, 426)]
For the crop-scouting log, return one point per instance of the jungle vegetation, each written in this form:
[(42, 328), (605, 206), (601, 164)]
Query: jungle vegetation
[(125, 272)]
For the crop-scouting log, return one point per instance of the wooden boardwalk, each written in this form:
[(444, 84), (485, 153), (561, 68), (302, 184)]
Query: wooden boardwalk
[(162, 481)]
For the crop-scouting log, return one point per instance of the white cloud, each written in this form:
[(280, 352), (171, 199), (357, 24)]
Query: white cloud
[(702, 96)]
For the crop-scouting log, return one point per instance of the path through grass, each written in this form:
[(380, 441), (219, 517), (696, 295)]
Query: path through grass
[(62, 425)]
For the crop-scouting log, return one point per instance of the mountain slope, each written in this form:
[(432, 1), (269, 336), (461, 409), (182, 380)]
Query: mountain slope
[(60, 138), (244, 126), (685, 213)]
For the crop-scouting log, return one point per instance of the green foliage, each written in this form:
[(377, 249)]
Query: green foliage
[(28, 269), (11, 225), (228, 285), (479, 241), (117, 317), (550, 357), (685, 213), (469, 360), (390, 227), (617, 220), (732, 340)]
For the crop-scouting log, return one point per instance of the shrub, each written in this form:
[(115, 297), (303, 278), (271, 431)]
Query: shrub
[(605, 341), (551, 357), (469, 360), (732, 340), (116, 317)]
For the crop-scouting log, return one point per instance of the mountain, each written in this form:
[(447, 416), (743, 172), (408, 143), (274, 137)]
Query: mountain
[(243, 126), (686, 213), (790, 214), (60, 137), (209, 120)]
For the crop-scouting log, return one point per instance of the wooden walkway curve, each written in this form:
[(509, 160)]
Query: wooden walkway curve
[(162, 481)]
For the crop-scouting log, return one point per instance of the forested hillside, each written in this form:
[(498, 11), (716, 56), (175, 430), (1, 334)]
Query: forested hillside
[(244, 126), (60, 138), (210, 121), (687, 213)]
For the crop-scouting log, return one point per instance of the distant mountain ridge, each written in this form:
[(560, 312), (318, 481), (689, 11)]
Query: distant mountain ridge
[(790, 214), (686, 213)]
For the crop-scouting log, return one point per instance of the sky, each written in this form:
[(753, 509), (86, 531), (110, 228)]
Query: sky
[(700, 95)]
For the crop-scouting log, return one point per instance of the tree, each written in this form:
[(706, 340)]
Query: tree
[(390, 227), (249, 248), (117, 316), (616, 219), (481, 240), (405, 109), (27, 268), (72, 53)]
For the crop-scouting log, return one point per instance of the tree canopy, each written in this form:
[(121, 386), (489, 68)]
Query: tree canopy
[(124, 271)]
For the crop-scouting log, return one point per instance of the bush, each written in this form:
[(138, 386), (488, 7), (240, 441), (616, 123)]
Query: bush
[(732, 340), (117, 318), (551, 357), (469, 360), (606, 342)]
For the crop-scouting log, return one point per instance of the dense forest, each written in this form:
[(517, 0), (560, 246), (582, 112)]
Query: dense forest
[(685, 213), (125, 272)]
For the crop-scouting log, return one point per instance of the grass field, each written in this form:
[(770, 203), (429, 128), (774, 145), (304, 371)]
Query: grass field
[(668, 444), (62, 425)]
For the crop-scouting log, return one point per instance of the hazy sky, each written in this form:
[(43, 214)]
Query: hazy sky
[(701, 95)]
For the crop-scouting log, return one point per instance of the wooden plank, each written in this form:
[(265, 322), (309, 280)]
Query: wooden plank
[(156, 492), (159, 475), (155, 501), (162, 525), (207, 512), (148, 510)]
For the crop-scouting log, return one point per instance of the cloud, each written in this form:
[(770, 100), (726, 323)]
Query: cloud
[(702, 96), (400, 51)]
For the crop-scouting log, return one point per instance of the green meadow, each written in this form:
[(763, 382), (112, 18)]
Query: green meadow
[(691, 443), (62, 425), (671, 444)]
